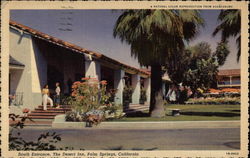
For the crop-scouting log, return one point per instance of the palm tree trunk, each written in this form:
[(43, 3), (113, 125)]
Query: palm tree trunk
[(156, 99)]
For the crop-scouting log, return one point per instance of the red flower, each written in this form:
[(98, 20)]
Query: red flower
[(77, 82), (26, 110), (103, 82), (74, 86), (73, 94), (85, 78)]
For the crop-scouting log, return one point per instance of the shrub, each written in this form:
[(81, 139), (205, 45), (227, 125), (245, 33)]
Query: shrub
[(46, 141), (70, 116), (221, 95), (183, 96), (88, 95), (113, 111), (127, 93), (218, 101), (93, 117), (91, 103), (143, 95), (65, 99)]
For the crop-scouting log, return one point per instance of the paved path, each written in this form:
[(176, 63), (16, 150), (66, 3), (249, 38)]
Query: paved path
[(144, 139)]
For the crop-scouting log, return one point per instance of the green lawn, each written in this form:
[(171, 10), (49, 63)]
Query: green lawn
[(192, 113)]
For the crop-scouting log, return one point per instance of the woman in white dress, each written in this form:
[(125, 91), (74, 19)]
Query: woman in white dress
[(46, 97)]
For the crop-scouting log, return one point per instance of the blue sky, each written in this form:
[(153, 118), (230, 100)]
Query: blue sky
[(93, 30)]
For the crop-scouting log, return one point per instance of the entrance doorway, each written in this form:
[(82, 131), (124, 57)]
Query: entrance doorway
[(108, 75), (53, 76)]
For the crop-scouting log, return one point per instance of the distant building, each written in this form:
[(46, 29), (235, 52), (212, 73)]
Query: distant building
[(229, 78)]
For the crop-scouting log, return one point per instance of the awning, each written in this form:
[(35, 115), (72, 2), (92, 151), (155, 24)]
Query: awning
[(13, 63)]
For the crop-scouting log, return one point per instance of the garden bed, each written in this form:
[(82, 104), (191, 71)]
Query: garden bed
[(215, 101)]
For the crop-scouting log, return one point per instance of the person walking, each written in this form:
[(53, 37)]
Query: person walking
[(46, 98)]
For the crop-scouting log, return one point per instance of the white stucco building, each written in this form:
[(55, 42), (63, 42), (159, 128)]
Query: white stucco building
[(37, 59)]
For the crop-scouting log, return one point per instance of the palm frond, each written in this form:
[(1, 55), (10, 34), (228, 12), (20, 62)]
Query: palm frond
[(230, 26), (155, 35)]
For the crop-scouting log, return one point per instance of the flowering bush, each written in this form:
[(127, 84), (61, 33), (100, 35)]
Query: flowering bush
[(229, 90), (93, 117), (88, 95), (90, 102), (224, 100), (221, 94)]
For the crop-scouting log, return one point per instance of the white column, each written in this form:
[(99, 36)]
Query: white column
[(119, 85), (148, 89), (92, 68), (136, 88)]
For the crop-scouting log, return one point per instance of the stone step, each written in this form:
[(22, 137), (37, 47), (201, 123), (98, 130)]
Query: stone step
[(138, 108), (49, 120), (61, 106), (55, 109), (135, 110), (138, 105), (39, 114), (41, 117), (47, 111), (141, 109), (134, 107), (43, 114)]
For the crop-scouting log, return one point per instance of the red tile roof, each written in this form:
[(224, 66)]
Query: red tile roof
[(229, 72), (73, 47)]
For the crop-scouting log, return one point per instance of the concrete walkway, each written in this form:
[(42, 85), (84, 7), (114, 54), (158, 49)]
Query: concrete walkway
[(151, 125)]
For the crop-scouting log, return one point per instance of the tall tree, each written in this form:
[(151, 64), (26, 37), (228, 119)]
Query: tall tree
[(179, 63), (154, 37), (221, 52), (230, 26), (196, 67), (202, 67)]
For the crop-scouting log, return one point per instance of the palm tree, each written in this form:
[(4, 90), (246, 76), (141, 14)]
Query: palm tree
[(154, 37), (230, 26)]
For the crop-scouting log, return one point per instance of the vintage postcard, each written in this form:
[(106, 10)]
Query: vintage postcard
[(124, 79)]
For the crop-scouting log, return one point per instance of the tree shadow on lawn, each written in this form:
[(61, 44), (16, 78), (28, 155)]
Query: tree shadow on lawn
[(220, 114), (138, 114), (121, 148)]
